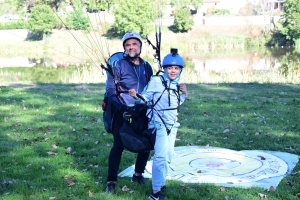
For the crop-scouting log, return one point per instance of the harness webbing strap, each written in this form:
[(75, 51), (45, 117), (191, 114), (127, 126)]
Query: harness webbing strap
[(176, 92)]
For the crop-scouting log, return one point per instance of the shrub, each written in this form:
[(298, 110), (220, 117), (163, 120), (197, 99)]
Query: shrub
[(77, 19), (42, 21), (183, 21), (221, 12), (20, 24)]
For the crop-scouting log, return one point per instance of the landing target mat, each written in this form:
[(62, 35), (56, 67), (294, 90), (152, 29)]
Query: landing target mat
[(225, 167)]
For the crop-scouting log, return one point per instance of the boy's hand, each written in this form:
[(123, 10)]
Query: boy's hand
[(132, 93), (183, 89)]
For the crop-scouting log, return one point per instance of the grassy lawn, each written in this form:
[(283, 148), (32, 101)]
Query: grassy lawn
[(53, 144)]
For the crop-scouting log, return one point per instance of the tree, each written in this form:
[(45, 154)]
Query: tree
[(42, 20), (8, 7), (182, 3), (77, 19), (291, 20), (183, 20), (96, 5), (29, 4), (196, 3), (132, 15)]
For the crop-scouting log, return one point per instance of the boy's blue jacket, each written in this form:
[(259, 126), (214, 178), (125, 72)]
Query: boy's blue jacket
[(130, 76), (168, 100)]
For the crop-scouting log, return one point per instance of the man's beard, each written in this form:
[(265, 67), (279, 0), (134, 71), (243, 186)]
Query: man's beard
[(136, 55)]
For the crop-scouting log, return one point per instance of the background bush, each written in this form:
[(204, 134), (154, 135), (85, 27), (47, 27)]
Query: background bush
[(183, 20), (20, 24)]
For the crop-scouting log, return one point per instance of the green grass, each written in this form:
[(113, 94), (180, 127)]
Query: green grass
[(53, 135)]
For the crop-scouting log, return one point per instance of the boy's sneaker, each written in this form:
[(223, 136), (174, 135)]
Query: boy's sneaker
[(157, 196), (138, 179), (110, 188)]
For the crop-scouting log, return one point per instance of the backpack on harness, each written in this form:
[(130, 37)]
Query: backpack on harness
[(107, 106), (135, 135)]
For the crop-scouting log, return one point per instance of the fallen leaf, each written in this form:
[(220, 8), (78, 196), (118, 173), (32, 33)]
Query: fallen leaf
[(69, 181), (289, 183), (52, 198), (69, 149), (54, 146), (262, 196), (90, 194), (262, 158), (51, 153), (226, 130), (125, 188)]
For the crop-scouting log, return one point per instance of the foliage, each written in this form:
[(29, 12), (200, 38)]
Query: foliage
[(211, 10), (277, 39), (182, 3), (29, 4), (20, 24), (97, 5), (77, 19), (289, 65), (42, 20), (247, 10), (221, 12), (183, 21), (137, 18), (290, 25), (8, 7)]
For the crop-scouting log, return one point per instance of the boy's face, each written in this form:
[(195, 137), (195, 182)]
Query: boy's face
[(173, 72), (132, 47)]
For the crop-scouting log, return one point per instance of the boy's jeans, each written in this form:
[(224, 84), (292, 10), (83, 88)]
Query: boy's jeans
[(163, 153)]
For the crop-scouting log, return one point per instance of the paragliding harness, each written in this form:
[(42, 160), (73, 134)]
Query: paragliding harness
[(107, 106), (135, 134)]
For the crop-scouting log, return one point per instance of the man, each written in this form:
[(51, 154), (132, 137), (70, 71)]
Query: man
[(130, 72)]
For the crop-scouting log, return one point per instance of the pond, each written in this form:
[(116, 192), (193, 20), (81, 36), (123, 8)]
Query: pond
[(262, 65)]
